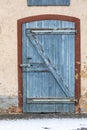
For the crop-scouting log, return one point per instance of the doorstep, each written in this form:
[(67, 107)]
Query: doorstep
[(40, 116)]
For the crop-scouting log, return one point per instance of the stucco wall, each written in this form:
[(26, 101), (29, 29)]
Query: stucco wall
[(10, 12)]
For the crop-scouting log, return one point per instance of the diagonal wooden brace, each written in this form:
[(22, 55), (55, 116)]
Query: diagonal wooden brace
[(53, 70)]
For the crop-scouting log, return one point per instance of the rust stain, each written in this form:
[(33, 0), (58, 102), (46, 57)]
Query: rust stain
[(77, 108), (14, 109), (78, 63), (76, 76)]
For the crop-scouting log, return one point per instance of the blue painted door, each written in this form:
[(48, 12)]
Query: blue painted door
[(48, 66)]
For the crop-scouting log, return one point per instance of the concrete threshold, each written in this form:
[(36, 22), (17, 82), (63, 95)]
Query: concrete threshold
[(40, 116)]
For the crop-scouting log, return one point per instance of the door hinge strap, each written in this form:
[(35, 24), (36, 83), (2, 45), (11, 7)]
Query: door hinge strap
[(52, 30), (51, 100)]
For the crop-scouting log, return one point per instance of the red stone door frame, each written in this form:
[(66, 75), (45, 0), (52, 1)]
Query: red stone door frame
[(77, 49)]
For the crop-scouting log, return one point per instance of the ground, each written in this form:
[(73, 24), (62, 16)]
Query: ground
[(43, 122)]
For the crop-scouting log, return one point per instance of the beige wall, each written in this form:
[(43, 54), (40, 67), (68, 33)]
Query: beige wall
[(10, 12)]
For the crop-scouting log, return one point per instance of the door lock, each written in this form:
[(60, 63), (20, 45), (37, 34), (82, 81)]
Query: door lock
[(27, 64)]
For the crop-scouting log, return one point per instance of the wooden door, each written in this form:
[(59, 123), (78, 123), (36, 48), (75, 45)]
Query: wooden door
[(48, 66)]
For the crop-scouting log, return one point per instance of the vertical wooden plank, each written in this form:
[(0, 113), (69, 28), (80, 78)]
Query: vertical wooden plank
[(47, 76), (66, 61), (69, 61), (69, 54), (34, 108), (59, 107), (59, 61), (34, 90), (27, 61), (43, 86), (59, 58), (32, 78), (72, 63), (72, 107), (31, 50), (49, 52), (49, 43), (24, 49)]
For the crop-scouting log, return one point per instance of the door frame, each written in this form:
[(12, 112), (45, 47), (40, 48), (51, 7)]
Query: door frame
[(77, 50)]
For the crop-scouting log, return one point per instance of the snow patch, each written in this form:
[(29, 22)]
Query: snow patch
[(44, 124)]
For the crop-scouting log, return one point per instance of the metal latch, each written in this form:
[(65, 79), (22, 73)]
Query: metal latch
[(25, 65)]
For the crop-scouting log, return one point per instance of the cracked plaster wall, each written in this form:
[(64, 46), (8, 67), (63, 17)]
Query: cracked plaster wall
[(10, 11)]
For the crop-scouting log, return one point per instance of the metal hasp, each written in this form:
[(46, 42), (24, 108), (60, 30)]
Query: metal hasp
[(48, 2), (25, 65)]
